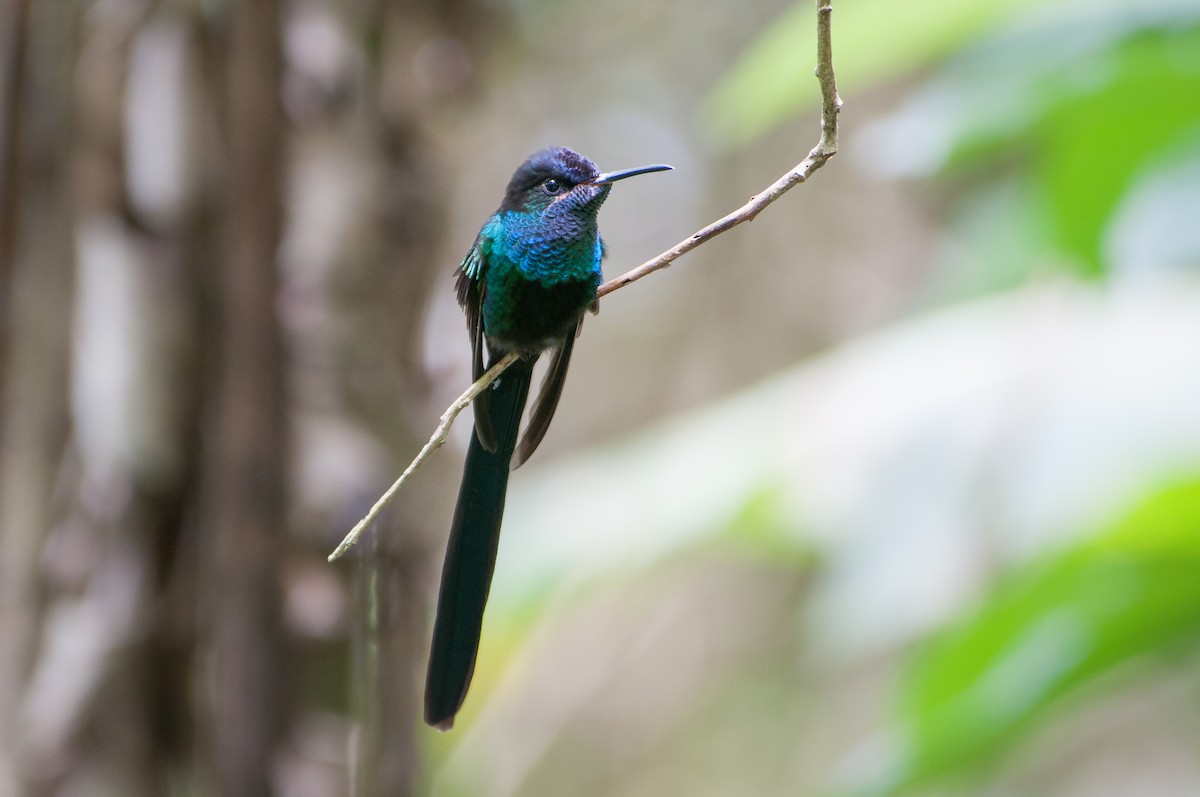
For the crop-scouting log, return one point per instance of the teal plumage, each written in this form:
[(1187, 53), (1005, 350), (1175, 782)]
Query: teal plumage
[(532, 272)]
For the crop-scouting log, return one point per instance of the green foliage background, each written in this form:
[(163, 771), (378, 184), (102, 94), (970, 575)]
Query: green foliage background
[(1050, 117)]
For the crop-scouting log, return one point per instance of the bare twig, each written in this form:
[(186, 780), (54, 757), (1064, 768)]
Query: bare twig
[(435, 442), (825, 149)]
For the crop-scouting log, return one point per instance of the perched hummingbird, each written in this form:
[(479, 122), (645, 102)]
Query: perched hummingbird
[(532, 271)]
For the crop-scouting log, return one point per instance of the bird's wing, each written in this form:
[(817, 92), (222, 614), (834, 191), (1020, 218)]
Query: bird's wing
[(470, 288), (548, 396), (552, 383)]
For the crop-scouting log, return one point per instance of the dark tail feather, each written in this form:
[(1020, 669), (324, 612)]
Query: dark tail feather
[(547, 400), (471, 552)]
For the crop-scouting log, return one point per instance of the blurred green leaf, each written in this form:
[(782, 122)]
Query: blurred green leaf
[(1153, 228), (997, 240), (1086, 103), (873, 40), (1093, 145), (977, 688)]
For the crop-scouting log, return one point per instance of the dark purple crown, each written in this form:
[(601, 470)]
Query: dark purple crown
[(558, 162)]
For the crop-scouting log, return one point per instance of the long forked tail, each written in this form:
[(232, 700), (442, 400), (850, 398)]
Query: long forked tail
[(471, 552)]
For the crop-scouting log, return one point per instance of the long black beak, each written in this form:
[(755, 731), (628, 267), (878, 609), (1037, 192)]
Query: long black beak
[(612, 177)]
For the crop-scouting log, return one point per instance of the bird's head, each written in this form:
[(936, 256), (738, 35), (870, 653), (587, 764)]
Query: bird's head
[(559, 180)]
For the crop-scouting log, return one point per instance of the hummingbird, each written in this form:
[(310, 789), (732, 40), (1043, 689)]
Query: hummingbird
[(524, 286)]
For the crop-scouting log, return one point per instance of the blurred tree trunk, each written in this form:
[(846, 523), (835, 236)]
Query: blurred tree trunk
[(12, 80), (140, 723), (143, 548), (244, 462), (36, 281)]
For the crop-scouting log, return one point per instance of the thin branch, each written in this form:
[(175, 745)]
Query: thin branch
[(435, 442), (825, 149)]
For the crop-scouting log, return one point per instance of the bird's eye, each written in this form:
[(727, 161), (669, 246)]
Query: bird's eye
[(552, 186)]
